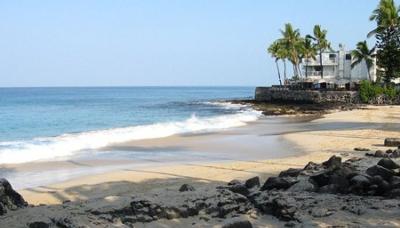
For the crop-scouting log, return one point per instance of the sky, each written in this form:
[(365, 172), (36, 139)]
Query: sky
[(161, 42)]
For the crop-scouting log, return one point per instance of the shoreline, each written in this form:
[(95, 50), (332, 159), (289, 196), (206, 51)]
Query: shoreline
[(228, 170), (109, 198)]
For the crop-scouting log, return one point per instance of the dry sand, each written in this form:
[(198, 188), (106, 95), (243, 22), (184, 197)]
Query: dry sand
[(336, 133)]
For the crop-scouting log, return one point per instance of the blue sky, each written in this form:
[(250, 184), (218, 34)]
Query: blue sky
[(160, 42)]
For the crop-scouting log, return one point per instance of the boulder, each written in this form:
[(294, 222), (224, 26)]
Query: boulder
[(380, 171), (290, 172), (240, 189), (277, 183), (9, 199), (234, 182), (396, 153), (379, 154), (388, 163), (312, 166), (392, 142), (329, 189), (237, 223), (360, 184), (321, 178), (186, 188), (395, 182), (252, 182), (302, 186), (361, 149), (39, 224), (333, 162)]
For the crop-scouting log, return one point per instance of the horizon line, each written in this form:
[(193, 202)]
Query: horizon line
[(127, 86)]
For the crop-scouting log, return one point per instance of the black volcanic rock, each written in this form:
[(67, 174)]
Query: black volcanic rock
[(392, 142), (290, 173), (380, 171), (277, 183), (388, 163), (186, 188), (252, 182), (9, 199)]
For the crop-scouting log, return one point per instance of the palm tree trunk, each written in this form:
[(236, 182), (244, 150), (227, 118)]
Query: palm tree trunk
[(369, 74), (284, 71), (279, 72), (299, 70), (306, 69), (295, 70), (320, 63)]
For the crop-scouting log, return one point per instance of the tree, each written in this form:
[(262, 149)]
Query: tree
[(276, 52), (387, 34), (291, 41), (363, 53), (322, 44), (308, 52)]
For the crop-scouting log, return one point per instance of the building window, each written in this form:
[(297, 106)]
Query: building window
[(317, 68), (332, 56), (348, 56)]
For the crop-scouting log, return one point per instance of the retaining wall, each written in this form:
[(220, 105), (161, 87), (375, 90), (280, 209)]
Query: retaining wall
[(269, 94)]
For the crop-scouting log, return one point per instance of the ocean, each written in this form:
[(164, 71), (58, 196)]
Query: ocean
[(57, 123)]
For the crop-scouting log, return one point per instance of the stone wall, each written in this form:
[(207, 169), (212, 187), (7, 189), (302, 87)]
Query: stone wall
[(305, 96)]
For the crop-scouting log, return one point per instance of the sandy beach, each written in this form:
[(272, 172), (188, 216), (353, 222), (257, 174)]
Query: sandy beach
[(292, 142)]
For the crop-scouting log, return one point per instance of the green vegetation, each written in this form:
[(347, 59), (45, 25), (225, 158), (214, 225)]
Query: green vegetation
[(387, 34), (295, 48), (362, 52), (369, 91), (321, 44)]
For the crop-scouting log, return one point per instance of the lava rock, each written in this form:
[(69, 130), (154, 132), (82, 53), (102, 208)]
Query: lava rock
[(277, 183), (290, 172), (395, 182), (312, 166), (234, 182), (361, 149), (392, 142), (333, 162), (396, 153), (329, 189), (252, 182), (237, 223), (388, 163), (302, 186), (321, 178), (240, 189), (9, 198), (38, 224), (360, 184), (379, 154), (186, 188), (380, 171)]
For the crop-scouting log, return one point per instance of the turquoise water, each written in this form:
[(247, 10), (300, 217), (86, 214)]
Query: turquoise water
[(46, 123)]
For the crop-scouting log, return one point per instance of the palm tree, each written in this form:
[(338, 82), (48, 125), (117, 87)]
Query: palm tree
[(276, 52), (386, 16), (319, 36), (291, 41), (362, 52), (308, 52)]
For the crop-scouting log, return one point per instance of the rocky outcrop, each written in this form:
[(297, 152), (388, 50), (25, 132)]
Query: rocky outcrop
[(344, 189), (9, 199), (392, 142)]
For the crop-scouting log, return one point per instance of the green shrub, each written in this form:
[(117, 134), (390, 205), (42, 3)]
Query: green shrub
[(390, 92), (369, 91)]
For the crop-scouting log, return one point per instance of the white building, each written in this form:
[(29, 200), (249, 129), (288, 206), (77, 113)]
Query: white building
[(337, 69)]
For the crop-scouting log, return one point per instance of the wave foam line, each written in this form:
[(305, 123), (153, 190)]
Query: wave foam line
[(70, 144)]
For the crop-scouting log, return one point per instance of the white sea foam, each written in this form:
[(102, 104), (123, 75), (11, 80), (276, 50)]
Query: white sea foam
[(71, 144)]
